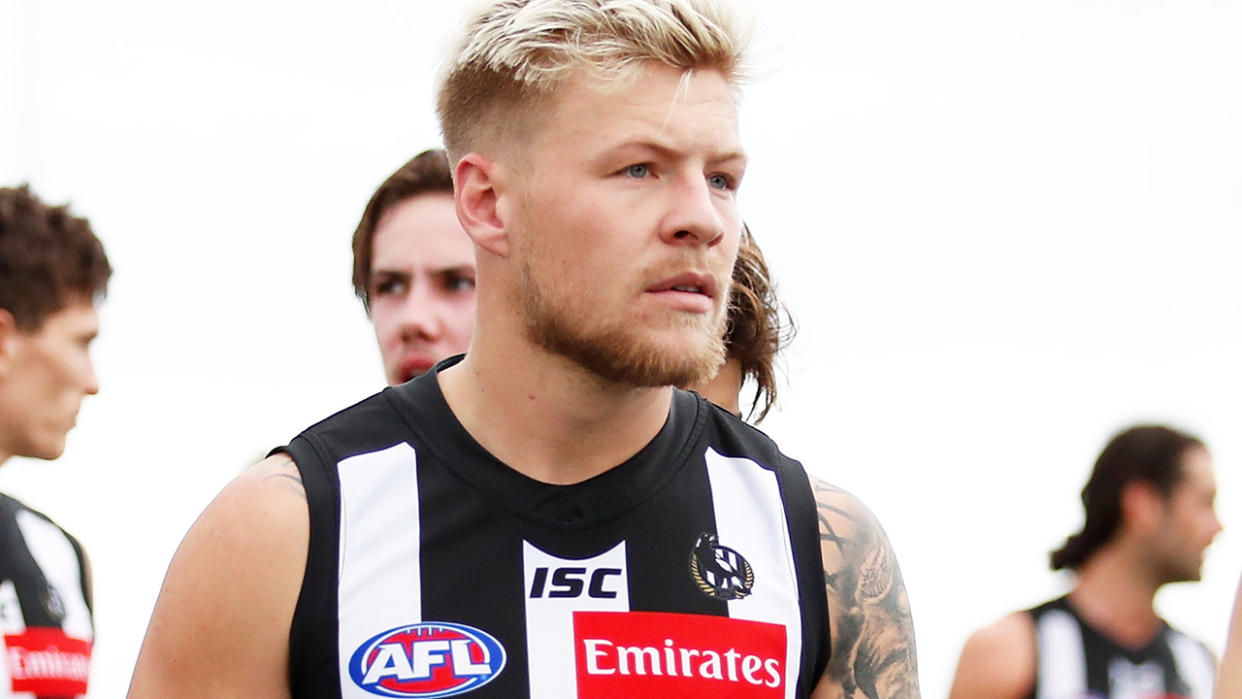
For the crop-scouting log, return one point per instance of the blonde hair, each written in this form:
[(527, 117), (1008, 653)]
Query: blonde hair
[(511, 54)]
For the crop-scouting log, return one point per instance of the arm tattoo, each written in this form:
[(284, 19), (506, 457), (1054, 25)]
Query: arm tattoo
[(285, 475), (873, 652)]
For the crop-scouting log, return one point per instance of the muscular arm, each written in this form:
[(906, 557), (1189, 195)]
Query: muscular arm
[(873, 651), (221, 623)]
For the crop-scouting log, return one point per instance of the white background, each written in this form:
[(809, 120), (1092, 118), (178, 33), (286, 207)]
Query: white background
[(1007, 230)]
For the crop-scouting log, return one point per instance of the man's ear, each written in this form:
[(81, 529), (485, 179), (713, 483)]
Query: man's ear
[(1142, 506), (8, 341), (478, 206)]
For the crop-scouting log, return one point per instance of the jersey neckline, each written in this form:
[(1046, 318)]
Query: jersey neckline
[(1135, 654), (421, 405)]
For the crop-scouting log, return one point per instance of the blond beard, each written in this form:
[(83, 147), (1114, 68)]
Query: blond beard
[(616, 352)]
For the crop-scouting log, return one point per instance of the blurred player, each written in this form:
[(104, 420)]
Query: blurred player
[(1149, 518), (52, 271), (414, 268)]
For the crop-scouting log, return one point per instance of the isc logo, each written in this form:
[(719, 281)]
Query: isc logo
[(433, 659), (571, 581)]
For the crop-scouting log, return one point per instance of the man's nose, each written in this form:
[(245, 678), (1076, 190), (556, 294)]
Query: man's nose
[(420, 318), (693, 217), (91, 385)]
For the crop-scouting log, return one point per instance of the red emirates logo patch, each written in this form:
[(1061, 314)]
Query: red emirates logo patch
[(47, 662), (634, 654)]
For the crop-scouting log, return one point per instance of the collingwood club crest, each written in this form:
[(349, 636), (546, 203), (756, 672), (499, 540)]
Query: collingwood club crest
[(53, 604), (719, 571)]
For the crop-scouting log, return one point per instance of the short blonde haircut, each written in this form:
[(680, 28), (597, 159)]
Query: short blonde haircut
[(511, 54)]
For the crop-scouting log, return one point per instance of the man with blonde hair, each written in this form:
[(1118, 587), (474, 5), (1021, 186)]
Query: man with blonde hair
[(548, 517)]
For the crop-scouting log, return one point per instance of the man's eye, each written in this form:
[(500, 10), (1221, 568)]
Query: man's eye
[(637, 171), (458, 283), (389, 287), (719, 182)]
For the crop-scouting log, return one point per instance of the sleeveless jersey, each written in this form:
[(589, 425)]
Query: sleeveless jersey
[(435, 570), (1076, 660), (45, 613)]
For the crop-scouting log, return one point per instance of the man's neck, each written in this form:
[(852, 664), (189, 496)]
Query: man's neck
[(1116, 595), (547, 417)]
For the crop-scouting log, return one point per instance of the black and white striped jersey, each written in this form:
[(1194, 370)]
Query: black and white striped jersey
[(1076, 660), (45, 612), (692, 569)]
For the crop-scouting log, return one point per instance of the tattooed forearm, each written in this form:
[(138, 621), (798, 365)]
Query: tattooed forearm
[(873, 652)]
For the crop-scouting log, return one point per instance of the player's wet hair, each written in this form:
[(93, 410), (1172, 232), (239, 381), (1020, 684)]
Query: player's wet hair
[(1147, 453), (426, 173), (48, 259), (512, 54), (760, 326)]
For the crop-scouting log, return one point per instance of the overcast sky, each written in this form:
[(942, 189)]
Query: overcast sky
[(1007, 230)]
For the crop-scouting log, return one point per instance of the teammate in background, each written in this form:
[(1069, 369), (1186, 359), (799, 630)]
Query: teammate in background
[(547, 516), (414, 268), (1149, 518), (52, 271), (1229, 681), (759, 327)]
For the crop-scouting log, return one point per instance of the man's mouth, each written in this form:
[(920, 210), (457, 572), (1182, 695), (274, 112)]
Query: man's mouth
[(688, 283), (688, 292), (412, 367)]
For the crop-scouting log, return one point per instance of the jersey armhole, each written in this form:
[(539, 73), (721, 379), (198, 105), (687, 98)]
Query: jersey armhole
[(812, 587), (313, 632)]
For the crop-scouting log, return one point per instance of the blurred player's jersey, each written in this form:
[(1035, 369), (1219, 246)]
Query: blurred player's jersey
[(1076, 660), (45, 614), (435, 570)]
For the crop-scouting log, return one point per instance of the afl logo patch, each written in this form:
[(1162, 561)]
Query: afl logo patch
[(719, 571), (432, 659)]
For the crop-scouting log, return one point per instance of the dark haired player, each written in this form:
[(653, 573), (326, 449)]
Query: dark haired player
[(52, 271), (414, 268), (1149, 518)]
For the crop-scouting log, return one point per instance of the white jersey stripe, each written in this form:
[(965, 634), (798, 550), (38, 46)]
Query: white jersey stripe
[(59, 562), (550, 618), (1062, 661), (379, 556), (1194, 665), (750, 516)]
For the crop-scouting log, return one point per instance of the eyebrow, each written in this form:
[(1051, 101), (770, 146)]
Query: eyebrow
[(382, 274), (389, 274), (640, 143), (463, 270)]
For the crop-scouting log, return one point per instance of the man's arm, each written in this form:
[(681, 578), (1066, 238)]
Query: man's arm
[(1229, 680), (998, 661), (873, 651), (221, 623)]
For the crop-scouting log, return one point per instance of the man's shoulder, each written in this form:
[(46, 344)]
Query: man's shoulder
[(374, 420), (729, 435), (869, 611), (11, 504), (1186, 646), (1014, 631), (998, 659), (347, 416)]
